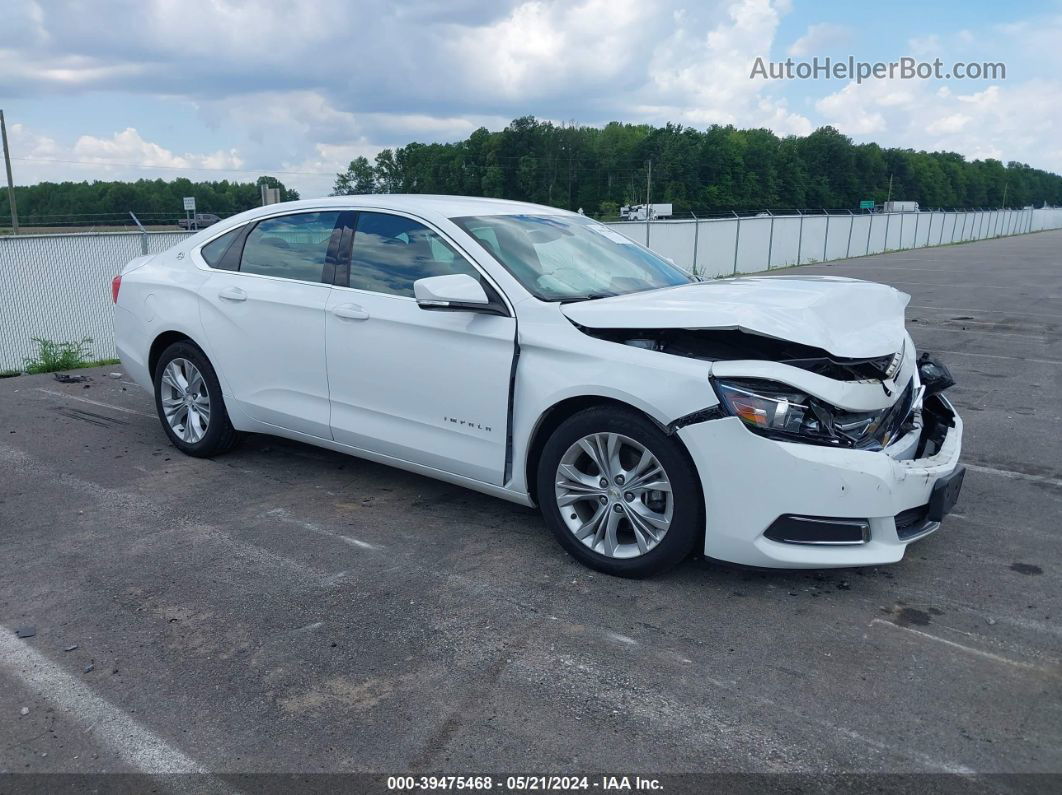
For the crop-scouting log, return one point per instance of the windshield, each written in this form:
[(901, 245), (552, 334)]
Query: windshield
[(570, 258)]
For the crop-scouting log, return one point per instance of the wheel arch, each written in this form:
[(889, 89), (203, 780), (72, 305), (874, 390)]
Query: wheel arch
[(161, 343), (556, 414)]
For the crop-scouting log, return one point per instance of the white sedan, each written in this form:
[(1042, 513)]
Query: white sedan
[(539, 356)]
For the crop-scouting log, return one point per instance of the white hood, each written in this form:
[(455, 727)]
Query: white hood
[(846, 317)]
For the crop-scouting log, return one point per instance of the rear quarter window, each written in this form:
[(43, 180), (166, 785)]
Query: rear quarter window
[(213, 253)]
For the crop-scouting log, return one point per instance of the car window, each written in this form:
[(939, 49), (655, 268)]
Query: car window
[(486, 236), (391, 252), (568, 257), (214, 251), (290, 247)]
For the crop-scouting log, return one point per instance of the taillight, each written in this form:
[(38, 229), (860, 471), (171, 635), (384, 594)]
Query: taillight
[(116, 285)]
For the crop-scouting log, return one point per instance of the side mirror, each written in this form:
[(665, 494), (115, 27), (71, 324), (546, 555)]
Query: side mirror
[(455, 292)]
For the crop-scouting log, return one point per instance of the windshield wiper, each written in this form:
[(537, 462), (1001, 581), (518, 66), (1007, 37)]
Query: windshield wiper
[(588, 297)]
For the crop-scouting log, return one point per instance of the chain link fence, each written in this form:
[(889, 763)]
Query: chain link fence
[(58, 286)]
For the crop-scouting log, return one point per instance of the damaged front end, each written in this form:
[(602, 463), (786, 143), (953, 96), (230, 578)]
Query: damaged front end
[(816, 397), (733, 344)]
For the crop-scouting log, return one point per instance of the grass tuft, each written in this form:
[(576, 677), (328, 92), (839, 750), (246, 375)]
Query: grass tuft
[(55, 356)]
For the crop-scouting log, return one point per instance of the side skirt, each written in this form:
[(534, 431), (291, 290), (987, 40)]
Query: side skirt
[(521, 498)]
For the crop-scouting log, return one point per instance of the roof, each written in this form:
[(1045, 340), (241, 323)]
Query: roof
[(427, 205)]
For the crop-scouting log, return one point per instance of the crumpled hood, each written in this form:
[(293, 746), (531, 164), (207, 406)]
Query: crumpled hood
[(846, 317)]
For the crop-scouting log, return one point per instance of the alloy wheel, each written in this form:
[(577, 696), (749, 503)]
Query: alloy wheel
[(614, 495), (185, 400)]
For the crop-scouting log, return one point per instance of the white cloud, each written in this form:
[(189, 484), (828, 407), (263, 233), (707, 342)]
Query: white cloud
[(824, 38), (702, 77), (308, 90), (851, 111), (123, 155), (127, 148), (946, 125)]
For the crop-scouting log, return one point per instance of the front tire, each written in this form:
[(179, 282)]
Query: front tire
[(619, 494), (189, 402)]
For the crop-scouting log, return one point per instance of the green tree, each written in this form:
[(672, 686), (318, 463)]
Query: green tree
[(360, 177)]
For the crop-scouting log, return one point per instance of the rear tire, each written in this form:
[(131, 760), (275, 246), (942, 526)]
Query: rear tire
[(189, 402), (618, 494)]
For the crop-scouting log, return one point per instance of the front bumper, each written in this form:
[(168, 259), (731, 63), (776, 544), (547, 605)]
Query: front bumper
[(749, 481)]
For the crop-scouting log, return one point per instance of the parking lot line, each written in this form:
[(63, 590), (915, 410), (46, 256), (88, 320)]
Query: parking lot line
[(998, 356), (986, 311), (1036, 337), (979, 286), (135, 744), (95, 402), (284, 516), (968, 649), (1008, 473)]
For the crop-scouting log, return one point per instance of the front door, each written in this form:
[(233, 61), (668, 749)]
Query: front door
[(429, 387)]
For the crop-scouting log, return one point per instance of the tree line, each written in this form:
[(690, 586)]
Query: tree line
[(596, 169), (155, 201), (718, 169)]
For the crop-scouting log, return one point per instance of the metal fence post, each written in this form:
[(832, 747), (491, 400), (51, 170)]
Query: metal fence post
[(696, 237), (826, 237), (943, 220), (962, 234), (737, 241), (851, 226), (899, 247), (870, 228), (770, 241), (143, 233), (800, 236), (885, 245)]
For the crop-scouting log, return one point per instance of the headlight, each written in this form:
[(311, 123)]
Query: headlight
[(779, 411)]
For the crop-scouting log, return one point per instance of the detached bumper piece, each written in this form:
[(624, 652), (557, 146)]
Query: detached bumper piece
[(818, 530), (914, 523)]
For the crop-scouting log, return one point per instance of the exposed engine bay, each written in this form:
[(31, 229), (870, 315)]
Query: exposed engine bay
[(730, 344)]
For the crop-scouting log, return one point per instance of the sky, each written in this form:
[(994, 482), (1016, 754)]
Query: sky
[(124, 89)]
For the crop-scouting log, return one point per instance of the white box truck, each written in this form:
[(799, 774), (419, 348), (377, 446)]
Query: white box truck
[(636, 212), (900, 207)]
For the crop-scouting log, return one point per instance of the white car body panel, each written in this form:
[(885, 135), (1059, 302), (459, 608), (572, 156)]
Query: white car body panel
[(268, 336), (846, 317), (428, 387), (381, 377)]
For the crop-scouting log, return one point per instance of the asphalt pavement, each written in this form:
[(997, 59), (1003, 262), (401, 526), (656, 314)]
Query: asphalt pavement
[(288, 609)]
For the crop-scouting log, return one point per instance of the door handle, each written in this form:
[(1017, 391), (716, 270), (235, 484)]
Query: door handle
[(233, 294), (350, 312)]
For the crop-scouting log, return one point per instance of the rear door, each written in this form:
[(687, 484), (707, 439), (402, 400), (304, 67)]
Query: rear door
[(429, 387), (264, 319)]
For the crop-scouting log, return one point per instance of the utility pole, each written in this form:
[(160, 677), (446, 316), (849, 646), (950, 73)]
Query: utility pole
[(10, 181), (889, 199), (648, 208)]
